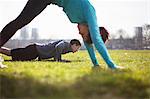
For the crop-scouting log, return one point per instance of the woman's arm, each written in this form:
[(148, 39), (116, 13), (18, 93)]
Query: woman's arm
[(90, 16), (91, 52)]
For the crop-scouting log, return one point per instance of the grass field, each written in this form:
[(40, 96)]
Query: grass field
[(77, 79)]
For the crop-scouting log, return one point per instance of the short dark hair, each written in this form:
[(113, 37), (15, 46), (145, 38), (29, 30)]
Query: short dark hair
[(75, 41)]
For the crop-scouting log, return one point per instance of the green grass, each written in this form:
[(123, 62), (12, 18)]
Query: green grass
[(78, 80)]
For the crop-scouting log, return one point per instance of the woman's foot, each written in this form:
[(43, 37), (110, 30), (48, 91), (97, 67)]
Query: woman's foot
[(120, 67)]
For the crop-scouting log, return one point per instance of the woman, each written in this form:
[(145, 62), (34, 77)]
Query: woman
[(78, 11)]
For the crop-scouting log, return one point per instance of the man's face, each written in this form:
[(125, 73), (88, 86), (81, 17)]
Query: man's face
[(75, 47), (83, 31)]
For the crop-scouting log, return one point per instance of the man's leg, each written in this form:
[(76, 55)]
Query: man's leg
[(30, 11), (24, 54), (5, 51)]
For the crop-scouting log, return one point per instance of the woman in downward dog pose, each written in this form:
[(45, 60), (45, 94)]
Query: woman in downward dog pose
[(78, 11)]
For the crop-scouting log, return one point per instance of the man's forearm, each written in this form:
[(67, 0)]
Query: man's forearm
[(57, 57)]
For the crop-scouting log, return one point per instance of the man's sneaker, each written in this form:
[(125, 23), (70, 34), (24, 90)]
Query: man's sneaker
[(1, 64)]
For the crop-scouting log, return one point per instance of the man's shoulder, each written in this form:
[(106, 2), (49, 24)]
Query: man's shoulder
[(62, 43), (56, 41)]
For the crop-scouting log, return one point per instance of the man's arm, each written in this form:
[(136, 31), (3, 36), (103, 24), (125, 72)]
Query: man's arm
[(65, 61), (59, 49)]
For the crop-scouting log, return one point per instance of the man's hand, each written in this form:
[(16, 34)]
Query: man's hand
[(65, 61)]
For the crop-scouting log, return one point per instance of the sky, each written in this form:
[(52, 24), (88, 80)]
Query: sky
[(53, 23)]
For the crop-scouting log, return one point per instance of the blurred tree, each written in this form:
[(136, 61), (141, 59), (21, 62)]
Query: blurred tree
[(122, 33), (146, 29), (113, 36)]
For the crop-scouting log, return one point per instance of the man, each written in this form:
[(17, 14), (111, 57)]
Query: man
[(43, 51)]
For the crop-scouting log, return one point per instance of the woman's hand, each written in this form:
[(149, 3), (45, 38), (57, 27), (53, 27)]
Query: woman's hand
[(120, 67)]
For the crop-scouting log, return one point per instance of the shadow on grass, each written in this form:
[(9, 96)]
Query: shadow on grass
[(92, 86), (48, 60), (26, 87)]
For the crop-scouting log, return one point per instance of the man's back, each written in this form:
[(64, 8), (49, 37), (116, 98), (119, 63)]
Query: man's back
[(52, 49)]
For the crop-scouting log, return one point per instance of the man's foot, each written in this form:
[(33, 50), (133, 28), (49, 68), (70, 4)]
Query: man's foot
[(2, 66)]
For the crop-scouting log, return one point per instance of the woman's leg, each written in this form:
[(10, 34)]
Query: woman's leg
[(5, 51), (30, 11)]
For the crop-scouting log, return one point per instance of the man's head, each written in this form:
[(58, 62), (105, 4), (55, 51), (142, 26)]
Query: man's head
[(84, 32), (75, 45)]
